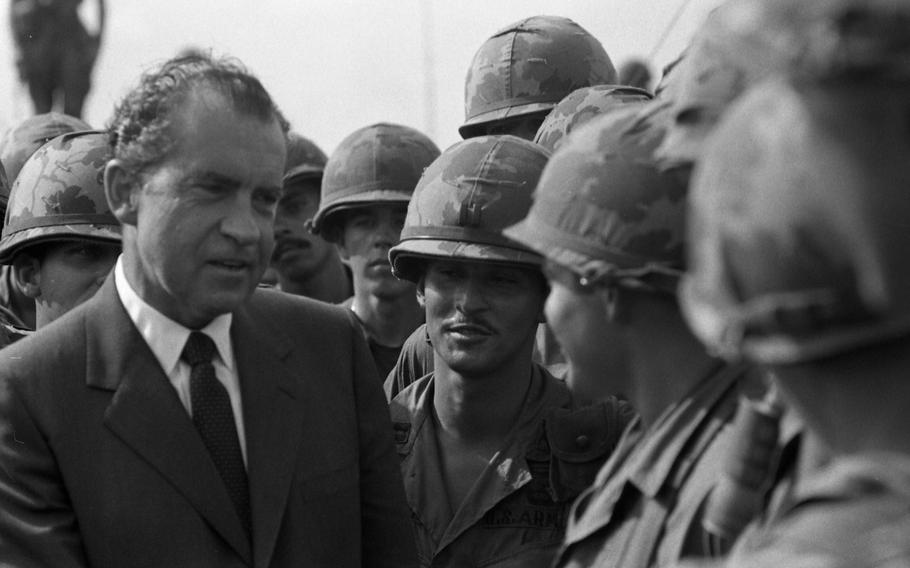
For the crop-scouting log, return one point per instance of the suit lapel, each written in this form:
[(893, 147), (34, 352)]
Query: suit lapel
[(273, 417), (147, 415)]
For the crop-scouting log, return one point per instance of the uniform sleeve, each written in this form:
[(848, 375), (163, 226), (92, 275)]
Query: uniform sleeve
[(388, 534), (37, 525)]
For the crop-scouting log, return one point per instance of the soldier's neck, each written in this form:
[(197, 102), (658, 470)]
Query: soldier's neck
[(388, 319), (481, 410)]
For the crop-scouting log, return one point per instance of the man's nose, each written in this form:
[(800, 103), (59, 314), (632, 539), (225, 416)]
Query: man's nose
[(470, 296), (240, 223)]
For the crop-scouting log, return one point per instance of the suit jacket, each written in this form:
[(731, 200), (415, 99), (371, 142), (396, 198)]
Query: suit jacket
[(100, 464)]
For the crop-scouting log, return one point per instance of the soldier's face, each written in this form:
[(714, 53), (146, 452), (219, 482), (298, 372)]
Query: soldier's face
[(204, 227), (70, 273), (299, 255), (367, 235), (594, 347), (480, 316)]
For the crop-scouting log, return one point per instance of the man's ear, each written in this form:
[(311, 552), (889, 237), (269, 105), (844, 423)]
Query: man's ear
[(27, 274), (421, 296), (121, 187)]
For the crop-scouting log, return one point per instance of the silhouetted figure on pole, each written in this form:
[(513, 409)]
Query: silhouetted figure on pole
[(55, 54)]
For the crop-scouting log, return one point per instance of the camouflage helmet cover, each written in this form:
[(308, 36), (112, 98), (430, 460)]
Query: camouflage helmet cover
[(740, 43), (465, 199), (23, 138), (604, 209), (528, 67), (799, 224), (59, 194), (580, 106), (381, 163), (305, 159)]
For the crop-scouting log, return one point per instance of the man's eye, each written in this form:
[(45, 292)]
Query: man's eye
[(267, 197)]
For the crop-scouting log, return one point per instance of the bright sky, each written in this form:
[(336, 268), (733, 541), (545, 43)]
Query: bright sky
[(336, 65)]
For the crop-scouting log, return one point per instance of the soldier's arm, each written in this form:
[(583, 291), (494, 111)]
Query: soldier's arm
[(387, 532), (37, 524)]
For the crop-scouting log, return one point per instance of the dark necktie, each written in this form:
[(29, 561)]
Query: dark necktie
[(214, 419)]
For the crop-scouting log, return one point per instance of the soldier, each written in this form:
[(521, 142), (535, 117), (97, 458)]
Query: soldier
[(17, 310), (580, 106), (366, 186), (611, 225), (60, 235), (54, 52), (521, 72), (492, 449), (306, 264), (799, 247)]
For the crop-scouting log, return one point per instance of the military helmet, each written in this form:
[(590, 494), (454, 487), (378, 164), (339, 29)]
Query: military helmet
[(23, 138), (465, 199), (305, 159), (580, 106), (603, 208), (740, 43), (375, 164), (799, 226), (528, 67), (59, 195)]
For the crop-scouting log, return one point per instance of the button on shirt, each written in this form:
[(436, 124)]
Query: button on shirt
[(166, 338)]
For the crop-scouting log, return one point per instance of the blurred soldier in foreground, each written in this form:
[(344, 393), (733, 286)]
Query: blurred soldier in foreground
[(612, 227), (306, 264), (59, 234), (580, 106), (799, 245), (153, 424), (18, 144), (493, 449), (54, 52), (367, 183), (521, 72)]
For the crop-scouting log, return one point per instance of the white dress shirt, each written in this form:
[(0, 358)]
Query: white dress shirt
[(166, 338)]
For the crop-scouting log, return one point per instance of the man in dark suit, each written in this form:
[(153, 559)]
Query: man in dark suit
[(179, 417)]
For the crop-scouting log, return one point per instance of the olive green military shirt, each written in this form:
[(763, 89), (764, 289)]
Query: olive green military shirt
[(515, 514), (644, 509)]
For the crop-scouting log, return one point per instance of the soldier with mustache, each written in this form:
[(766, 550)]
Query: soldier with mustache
[(493, 448), (305, 264)]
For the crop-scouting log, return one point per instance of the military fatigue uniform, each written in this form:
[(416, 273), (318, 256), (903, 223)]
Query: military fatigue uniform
[(644, 509), (853, 514), (515, 514)]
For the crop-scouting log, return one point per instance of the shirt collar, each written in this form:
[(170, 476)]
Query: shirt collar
[(165, 337)]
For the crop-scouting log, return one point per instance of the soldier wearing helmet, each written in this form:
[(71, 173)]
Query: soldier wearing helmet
[(306, 264), (799, 265), (521, 72), (611, 226), (492, 447), (366, 186), (18, 144), (59, 234)]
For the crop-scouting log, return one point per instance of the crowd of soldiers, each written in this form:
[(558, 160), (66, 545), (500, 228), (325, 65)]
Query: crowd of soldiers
[(616, 327)]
